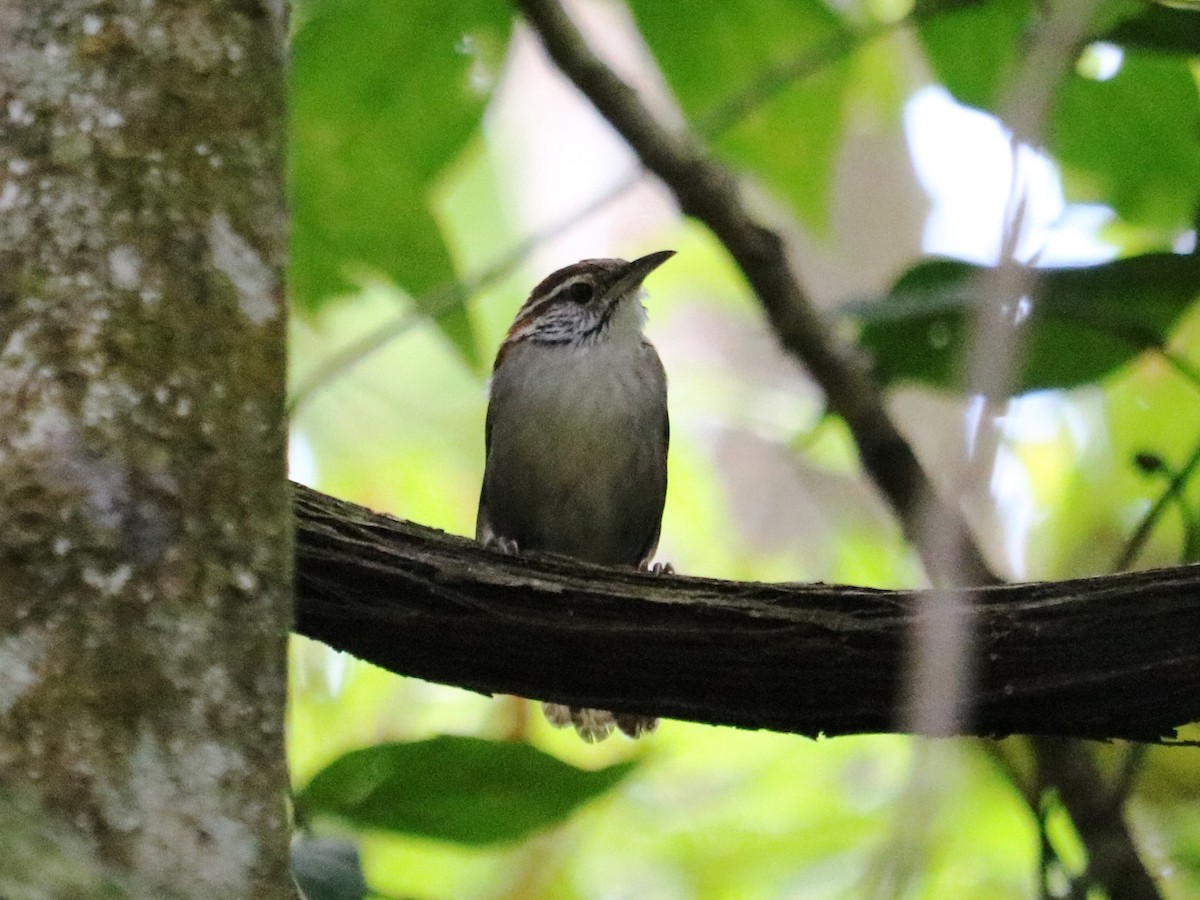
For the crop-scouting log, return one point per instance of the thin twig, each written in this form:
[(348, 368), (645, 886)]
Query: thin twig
[(774, 79), (1067, 767), (943, 658), (1030, 789), (1141, 534)]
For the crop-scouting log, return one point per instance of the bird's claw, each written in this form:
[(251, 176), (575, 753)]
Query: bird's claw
[(596, 724), (504, 545)]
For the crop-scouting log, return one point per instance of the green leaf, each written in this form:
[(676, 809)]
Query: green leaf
[(1084, 322), (789, 131), (461, 789), (1132, 141), (1166, 29), (974, 48), (384, 96)]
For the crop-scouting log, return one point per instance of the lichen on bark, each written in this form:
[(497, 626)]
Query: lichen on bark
[(144, 557)]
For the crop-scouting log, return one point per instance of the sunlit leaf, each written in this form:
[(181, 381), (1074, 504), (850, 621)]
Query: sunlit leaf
[(461, 789), (786, 129), (1168, 778), (384, 96), (973, 47), (1083, 322)]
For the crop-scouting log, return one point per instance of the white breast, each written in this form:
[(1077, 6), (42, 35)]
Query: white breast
[(583, 391)]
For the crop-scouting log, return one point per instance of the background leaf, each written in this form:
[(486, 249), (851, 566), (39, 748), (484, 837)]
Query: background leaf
[(712, 50), (1168, 29), (1085, 322), (1133, 140), (380, 106), (972, 49), (467, 790)]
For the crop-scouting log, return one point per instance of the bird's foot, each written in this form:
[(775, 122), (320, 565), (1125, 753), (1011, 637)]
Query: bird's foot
[(504, 545), (592, 724), (658, 568), (635, 726), (596, 724)]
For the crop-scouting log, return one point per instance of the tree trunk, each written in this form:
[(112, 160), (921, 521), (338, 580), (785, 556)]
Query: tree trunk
[(144, 551)]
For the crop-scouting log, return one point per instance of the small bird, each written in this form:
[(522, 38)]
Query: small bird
[(577, 433)]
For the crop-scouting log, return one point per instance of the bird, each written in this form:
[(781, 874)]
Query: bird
[(576, 436)]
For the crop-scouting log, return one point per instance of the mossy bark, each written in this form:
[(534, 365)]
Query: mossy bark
[(144, 540)]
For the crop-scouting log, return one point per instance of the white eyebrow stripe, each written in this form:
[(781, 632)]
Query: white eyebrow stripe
[(535, 306), (566, 285)]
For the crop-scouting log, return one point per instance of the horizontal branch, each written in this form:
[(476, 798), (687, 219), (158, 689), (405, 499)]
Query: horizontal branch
[(1110, 657)]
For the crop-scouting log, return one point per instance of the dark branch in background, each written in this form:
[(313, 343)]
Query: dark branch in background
[(708, 192), (1097, 818), (1110, 657)]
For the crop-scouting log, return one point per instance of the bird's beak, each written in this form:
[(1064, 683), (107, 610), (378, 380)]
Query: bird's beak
[(635, 273)]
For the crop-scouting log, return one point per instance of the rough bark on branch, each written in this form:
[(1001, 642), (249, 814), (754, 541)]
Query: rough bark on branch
[(1109, 657)]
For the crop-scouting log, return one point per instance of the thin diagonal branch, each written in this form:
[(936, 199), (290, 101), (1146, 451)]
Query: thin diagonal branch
[(711, 194), (1174, 489), (1097, 818), (708, 192)]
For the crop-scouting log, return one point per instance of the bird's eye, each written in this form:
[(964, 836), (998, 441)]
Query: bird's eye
[(581, 292)]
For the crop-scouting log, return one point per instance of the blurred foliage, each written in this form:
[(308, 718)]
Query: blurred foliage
[(1159, 27), (974, 47), (1129, 141), (350, 118), (418, 163), (1079, 326), (714, 50), (453, 788)]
